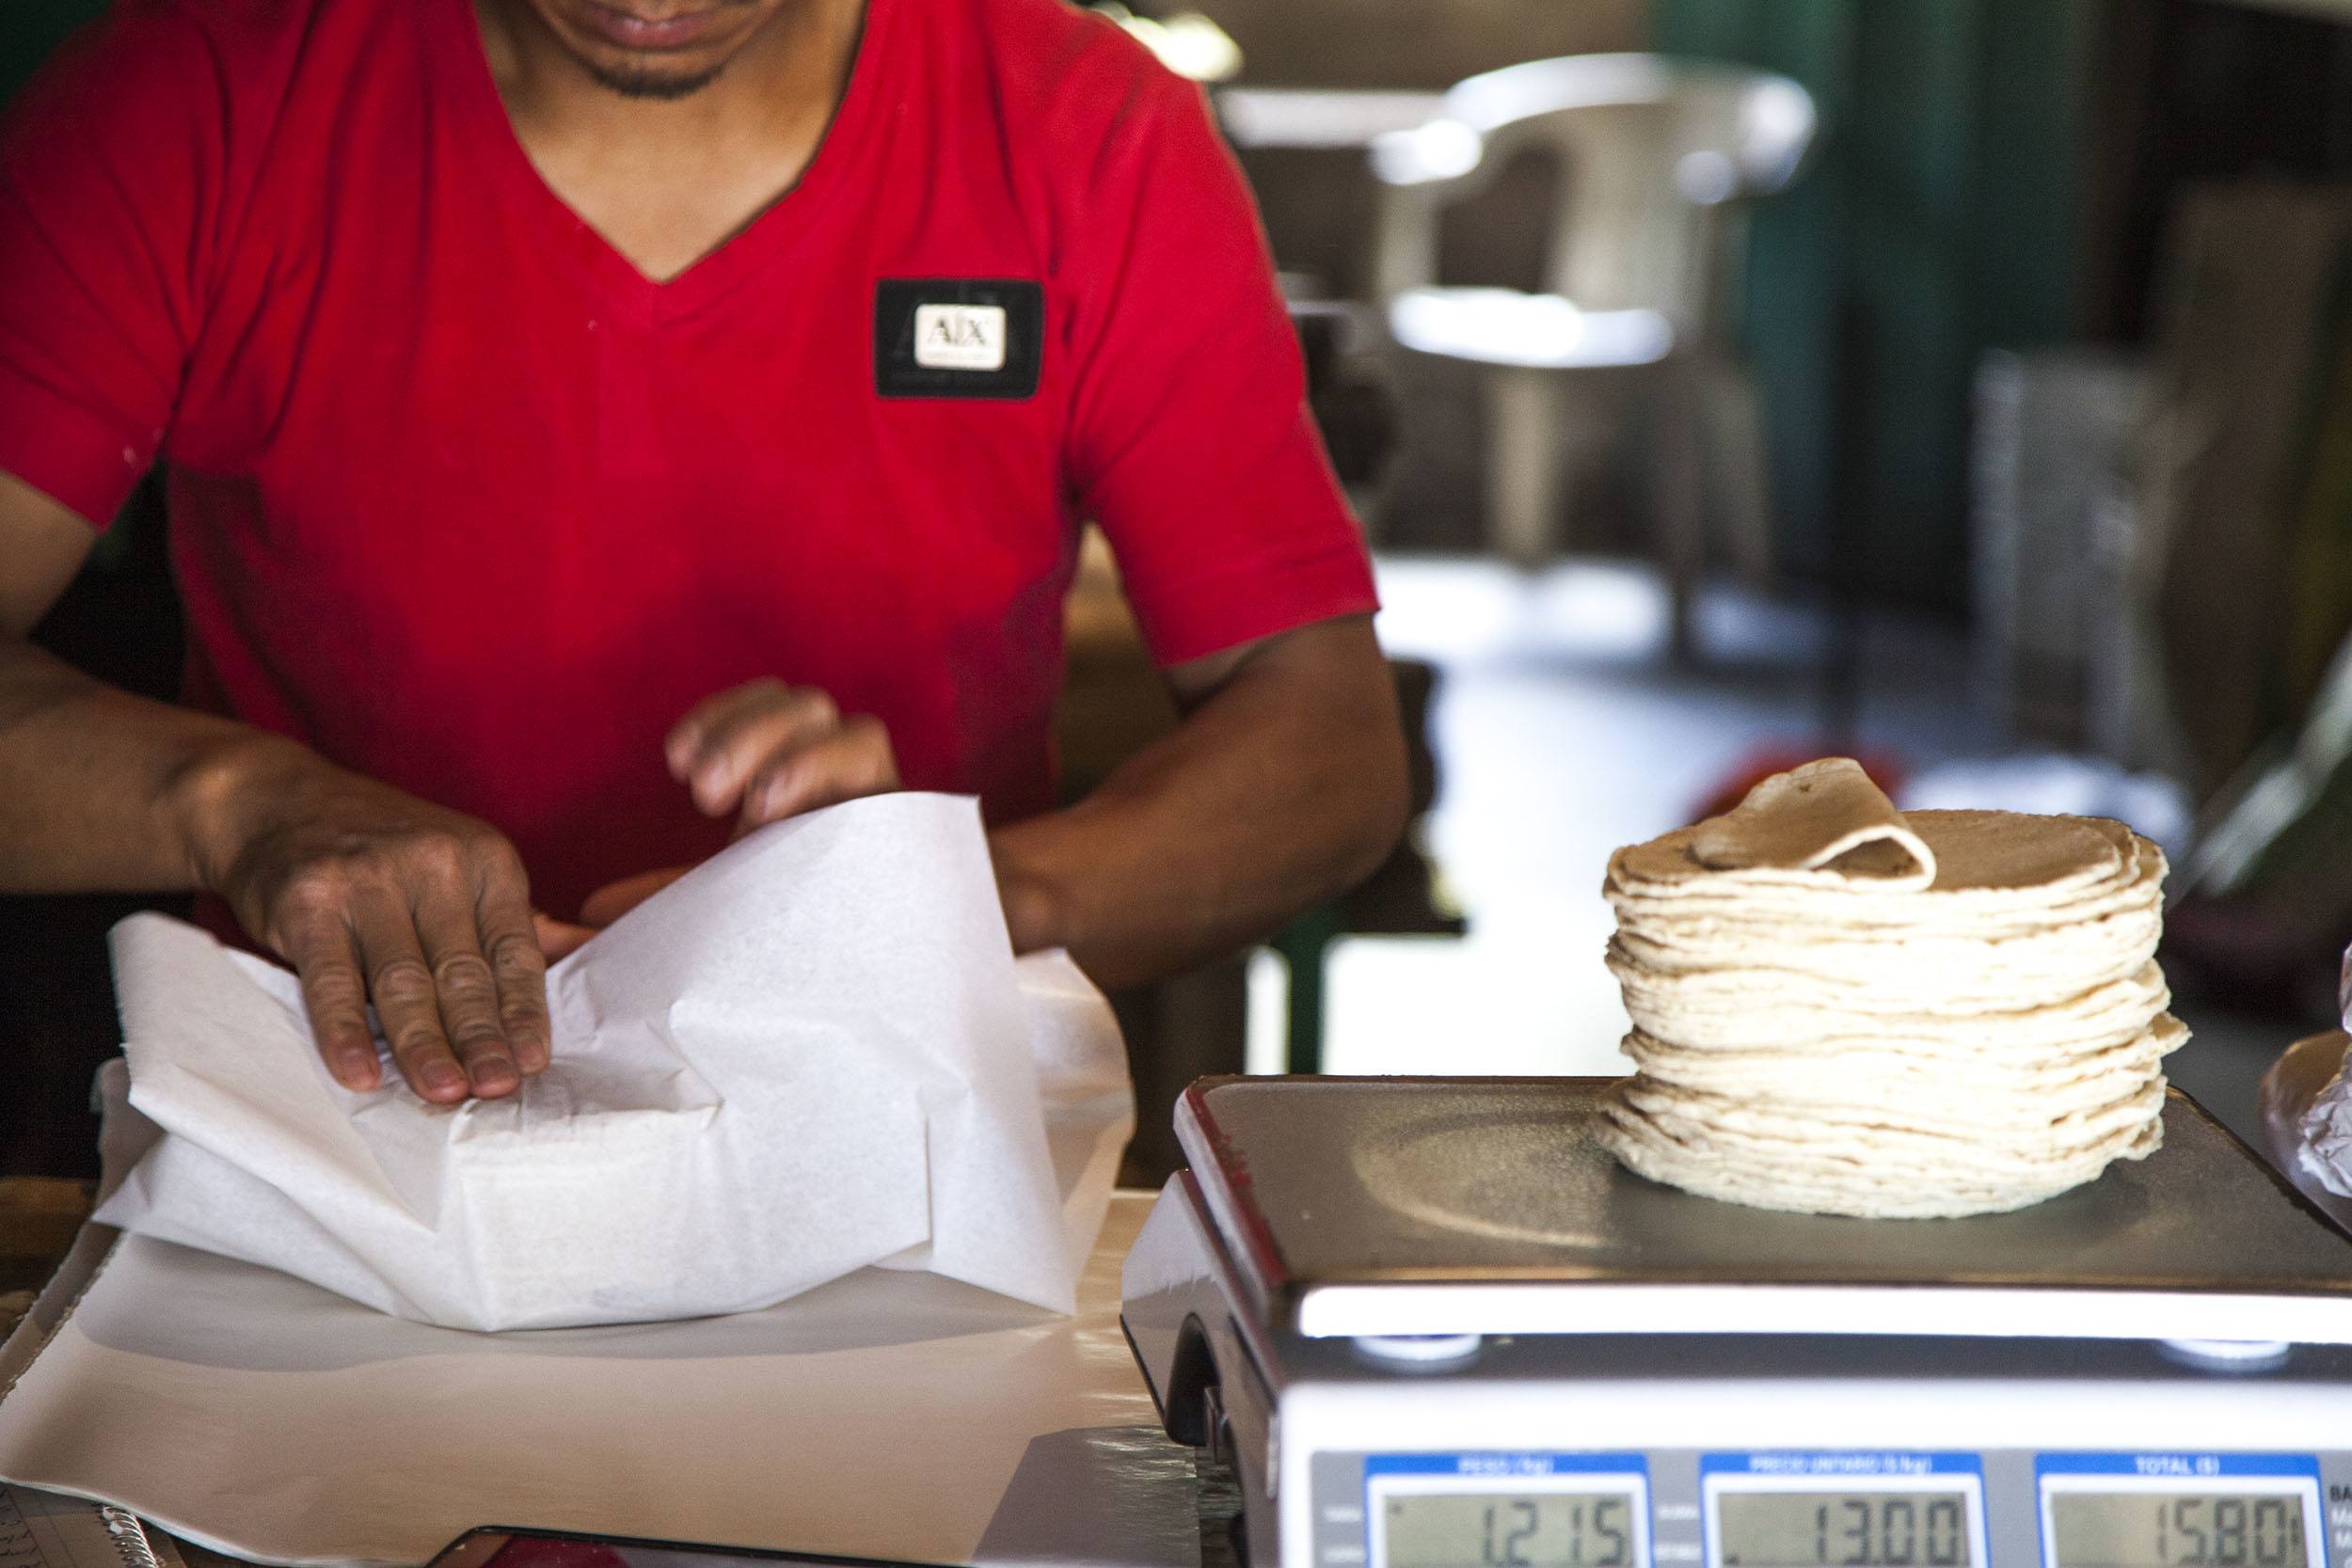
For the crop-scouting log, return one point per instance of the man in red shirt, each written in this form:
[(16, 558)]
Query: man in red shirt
[(571, 410)]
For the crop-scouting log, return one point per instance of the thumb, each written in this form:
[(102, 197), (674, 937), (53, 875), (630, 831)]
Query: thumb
[(613, 900), (558, 937)]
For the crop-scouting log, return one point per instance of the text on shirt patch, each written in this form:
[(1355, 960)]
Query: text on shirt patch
[(958, 337)]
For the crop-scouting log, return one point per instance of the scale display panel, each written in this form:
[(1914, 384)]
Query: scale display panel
[(1843, 1510), (1507, 1511), (2179, 1511)]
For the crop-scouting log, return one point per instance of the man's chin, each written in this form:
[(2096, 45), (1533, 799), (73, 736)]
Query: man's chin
[(653, 82)]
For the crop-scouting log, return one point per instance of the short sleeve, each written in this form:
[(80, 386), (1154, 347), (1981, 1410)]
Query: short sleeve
[(1189, 442), (106, 160)]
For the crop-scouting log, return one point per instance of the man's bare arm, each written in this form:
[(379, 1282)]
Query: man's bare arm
[(371, 895), (95, 785), (1285, 785)]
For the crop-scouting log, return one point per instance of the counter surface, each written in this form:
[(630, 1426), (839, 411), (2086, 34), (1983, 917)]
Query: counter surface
[(886, 1415)]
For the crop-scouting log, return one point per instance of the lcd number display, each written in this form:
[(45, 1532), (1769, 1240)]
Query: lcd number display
[(1505, 1530), (2179, 1530), (1843, 1529)]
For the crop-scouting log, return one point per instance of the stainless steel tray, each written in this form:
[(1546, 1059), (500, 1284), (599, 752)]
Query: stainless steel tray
[(1377, 1207)]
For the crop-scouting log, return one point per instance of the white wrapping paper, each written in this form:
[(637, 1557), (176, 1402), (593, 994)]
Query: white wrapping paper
[(814, 1052)]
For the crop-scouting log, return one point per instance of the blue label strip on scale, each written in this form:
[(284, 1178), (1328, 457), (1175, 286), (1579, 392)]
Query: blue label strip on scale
[(1488, 1465), (2185, 1465), (1831, 1465)]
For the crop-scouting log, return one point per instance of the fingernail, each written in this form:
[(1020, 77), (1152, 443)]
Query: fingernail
[(355, 1068), (444, 1078), (494, 1075)]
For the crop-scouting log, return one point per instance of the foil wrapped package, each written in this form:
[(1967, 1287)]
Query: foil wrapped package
[(814, 1053), (2325, 1152)]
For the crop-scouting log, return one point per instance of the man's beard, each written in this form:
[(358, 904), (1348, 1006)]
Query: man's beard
[(659, 84)]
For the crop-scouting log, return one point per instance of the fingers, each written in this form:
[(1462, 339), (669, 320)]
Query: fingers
[(318, 944), (715, 750), (852, 762), (437, 934), (558, 939), (767, 751), (518, 965), (607, 904), (401, 980), (488, 982), (377, 898)]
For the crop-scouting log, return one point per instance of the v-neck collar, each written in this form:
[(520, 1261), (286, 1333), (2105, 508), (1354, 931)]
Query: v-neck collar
[(464, 60)]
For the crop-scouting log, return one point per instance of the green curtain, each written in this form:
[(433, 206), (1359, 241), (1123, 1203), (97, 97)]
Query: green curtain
[(1937, 220)]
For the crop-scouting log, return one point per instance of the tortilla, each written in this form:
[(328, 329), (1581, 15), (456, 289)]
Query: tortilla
[(1825, 816), (1839, 1008)]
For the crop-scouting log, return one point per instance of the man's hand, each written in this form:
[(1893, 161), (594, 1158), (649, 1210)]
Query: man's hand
[(765, 751), (368, 893), (374, 895)]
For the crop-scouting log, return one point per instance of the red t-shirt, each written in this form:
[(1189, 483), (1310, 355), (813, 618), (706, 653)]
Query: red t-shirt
[(463, 501)]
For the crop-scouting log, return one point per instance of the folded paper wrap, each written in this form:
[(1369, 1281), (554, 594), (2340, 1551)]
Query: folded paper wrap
[(814, 1052)]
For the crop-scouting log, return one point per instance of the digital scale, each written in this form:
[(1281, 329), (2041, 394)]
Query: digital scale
[(1434, 1325)]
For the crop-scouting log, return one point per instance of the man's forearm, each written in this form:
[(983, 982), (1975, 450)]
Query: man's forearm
[(102, 791), (1285, 787)]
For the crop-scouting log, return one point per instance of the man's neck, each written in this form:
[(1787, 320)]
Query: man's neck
[(667, 180)]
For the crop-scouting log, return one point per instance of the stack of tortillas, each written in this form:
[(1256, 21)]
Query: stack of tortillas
[(1839, 1009)]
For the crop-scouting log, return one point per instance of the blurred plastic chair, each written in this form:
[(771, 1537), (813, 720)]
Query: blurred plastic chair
[(1657, 158)]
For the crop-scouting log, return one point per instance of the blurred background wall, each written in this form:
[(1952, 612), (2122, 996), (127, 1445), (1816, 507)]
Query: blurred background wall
[(1992, 173)]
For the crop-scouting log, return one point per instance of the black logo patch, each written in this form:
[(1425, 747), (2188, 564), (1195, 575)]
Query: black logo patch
[(958, 337)]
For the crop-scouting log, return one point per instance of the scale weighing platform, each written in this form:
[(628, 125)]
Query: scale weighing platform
[(1434, 1325)]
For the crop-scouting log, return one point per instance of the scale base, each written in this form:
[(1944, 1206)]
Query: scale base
[(1307, 1423)]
